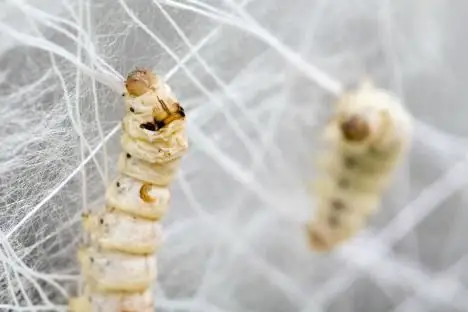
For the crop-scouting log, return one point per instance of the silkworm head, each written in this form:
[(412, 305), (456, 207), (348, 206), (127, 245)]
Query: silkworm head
[(140, 81), (355, 128)]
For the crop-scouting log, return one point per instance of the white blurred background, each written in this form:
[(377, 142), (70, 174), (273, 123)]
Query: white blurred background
[(256, 79)]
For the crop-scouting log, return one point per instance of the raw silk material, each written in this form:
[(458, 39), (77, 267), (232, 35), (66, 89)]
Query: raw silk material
[(257, 80)]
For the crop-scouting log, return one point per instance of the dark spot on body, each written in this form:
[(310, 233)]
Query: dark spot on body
[(148, 126), (91, 259), (123, 94), (128, 155), (344, 183), (349, 162), (132, 109), (117, 184), (378, 153), (101, 221), (159, 123), (338, 204), (333, 220)]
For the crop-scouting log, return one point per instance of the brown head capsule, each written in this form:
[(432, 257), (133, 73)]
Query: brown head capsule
[(355, 129), (145, 195), (140, 81)]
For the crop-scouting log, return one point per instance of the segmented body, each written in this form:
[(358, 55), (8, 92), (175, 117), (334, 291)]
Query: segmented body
[(368, 136), (118, 261)]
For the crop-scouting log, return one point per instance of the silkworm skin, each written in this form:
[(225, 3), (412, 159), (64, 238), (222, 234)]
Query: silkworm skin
[(367, 138), (124, 195), (158, 174), (356, 174), (116, 271), (94, 301), (118, 259), (154, 153), (115, 231)]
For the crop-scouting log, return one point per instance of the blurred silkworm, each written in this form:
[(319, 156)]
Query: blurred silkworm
[(369, 134)]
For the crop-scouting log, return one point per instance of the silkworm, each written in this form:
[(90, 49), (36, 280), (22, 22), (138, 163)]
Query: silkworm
[(118, 259), (367, 137)]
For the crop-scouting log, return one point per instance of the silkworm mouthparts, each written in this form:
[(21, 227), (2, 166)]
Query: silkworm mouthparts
[(168, 113)]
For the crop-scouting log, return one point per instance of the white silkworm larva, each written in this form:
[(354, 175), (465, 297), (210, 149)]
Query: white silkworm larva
[(368, 135), (118, 261)]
